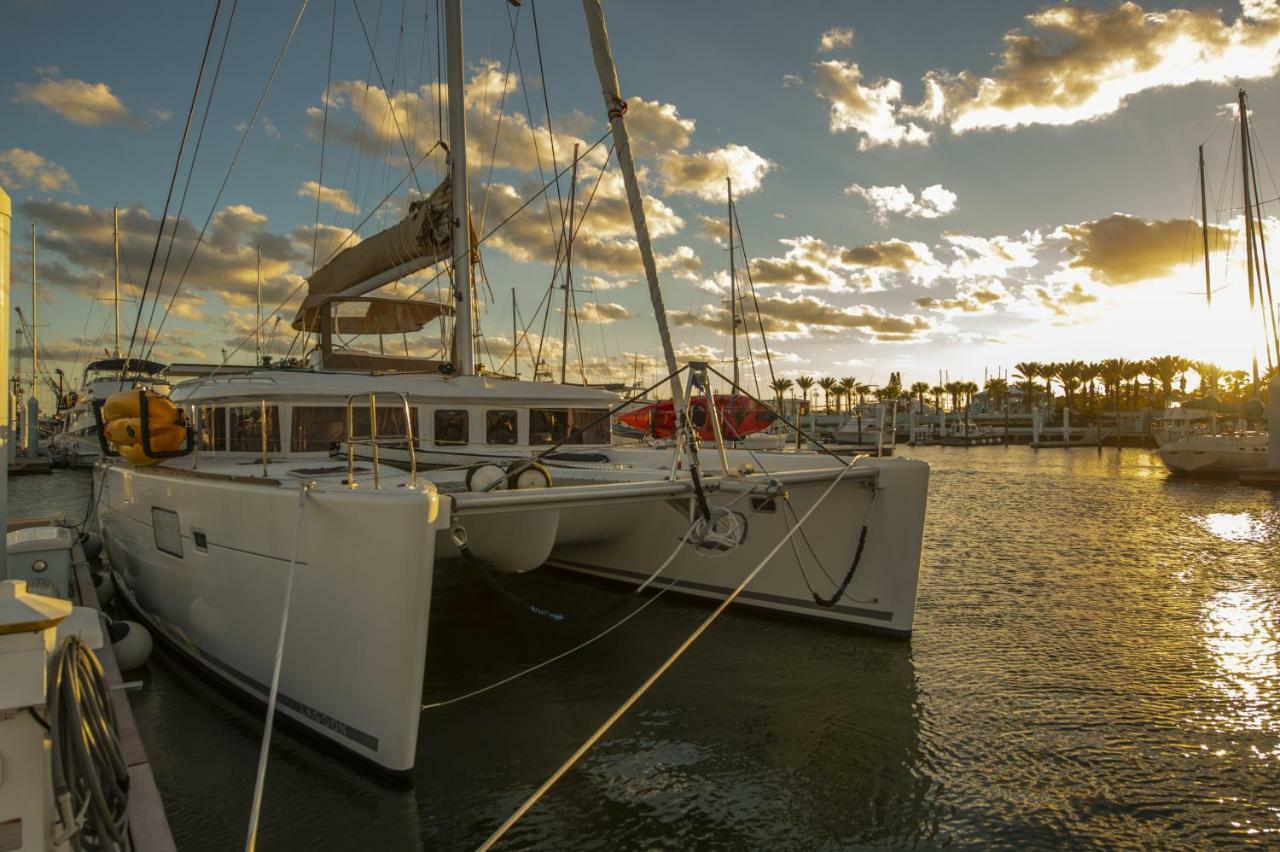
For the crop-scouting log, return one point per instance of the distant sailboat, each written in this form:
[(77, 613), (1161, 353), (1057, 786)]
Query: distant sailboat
[(1194, 451)]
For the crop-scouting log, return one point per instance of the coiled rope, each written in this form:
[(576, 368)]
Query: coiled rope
[(90, 777), (653, 678)]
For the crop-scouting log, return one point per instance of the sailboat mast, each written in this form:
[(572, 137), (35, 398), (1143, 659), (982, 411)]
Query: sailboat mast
[(1248, 204), (257, 331), (1262, 267), (115, 297), (515, 334), (1204, 232), (568, 267), (733, 285), (617, 107), (463, 336), (35, 320)]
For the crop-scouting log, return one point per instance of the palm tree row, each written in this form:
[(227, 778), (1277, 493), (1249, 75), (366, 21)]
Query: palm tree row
[(1115, 383)]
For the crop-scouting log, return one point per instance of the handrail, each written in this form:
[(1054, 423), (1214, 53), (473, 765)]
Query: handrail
[(372, 439)]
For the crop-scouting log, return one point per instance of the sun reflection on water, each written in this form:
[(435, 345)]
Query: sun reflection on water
[(1239, 629), (1234, 526)]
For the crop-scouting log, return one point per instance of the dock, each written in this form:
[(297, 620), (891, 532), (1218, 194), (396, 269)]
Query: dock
[(26, 466), (148, 824)]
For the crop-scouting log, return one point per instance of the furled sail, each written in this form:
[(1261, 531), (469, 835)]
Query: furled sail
[(416, 242)]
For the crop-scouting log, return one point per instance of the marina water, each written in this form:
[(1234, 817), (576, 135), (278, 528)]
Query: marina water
[(1095, 661)]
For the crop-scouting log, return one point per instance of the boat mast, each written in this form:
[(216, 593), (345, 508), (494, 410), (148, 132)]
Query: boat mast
[(515, 334), (115, 244), (1204, 232), (1251, 263), (568, 268), (35, 319), (617, 107), (463, 336), (257, 331), (733, 285)]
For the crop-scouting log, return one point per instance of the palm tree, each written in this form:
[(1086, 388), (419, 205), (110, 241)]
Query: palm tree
[(1133, 370), (1112, 371), (937, 391), (805, 383), (997, 389), (954, 389), (1089, 373), (828, 384), (1028, 372), (848, 386), (918, 390), (1165, 368), (862, 390), (780, 387), (1210, 374), (1049, 372)]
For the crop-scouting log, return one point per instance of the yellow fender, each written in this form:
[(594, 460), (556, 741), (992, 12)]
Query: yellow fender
[(127, 405)]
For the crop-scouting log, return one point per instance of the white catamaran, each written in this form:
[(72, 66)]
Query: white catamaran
[(330, 491)]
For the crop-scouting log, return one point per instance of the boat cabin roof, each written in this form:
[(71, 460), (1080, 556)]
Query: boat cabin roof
[(286, 384), (128, 365)]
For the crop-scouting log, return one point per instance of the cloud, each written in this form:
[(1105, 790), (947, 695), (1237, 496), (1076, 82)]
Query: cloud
[(835, 37), (88, 104), (603, 312), (933, 201), (338, 199), (869, 110), (1074, 63), (703, 174), (1069, 64), (20, 167), (976, 301), (1061, 300), (655, 127), (804, 316), (1123, 249)]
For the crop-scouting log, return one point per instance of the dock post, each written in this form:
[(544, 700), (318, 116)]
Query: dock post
[(1066, 425), (1035, 425), (1273, 426), (6, 223)]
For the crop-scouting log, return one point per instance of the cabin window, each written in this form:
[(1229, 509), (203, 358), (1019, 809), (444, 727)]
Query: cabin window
[(246, 429), (213, 427), (316, 428), (451, 426), (500, 426), (589, 426), (548, 425)]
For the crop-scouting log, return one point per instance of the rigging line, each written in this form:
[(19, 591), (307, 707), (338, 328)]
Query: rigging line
[(661, 670), (324, 135), (173, 180), (559, 257), (391, 106), (532, 198), (546, 101), (226, 178), (746, 265), (191, 168), (497, 132), (1260, 229)]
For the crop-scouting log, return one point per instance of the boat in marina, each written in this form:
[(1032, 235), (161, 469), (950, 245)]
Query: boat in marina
[(76, 443), (1200, 449), (332, 490)]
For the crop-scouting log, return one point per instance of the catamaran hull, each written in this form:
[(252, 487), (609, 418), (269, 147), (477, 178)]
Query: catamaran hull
[(205, 561), (880, 596)]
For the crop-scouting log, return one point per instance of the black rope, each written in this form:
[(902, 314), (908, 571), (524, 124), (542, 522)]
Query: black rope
[(843, 585), (386, 91), (173, 179)]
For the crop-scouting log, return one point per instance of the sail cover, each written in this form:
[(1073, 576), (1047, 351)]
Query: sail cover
[(416, 242)]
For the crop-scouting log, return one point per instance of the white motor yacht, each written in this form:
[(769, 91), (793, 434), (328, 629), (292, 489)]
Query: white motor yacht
[(77, 444)]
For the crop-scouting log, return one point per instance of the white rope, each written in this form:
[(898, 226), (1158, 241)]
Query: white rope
[(644, 687), (251, 841)]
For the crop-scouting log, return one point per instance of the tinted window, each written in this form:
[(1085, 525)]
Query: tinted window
[(500, 427), (316, 428), (590, 426), (246, 429), (451, 426), (548, 425), (213, 427)]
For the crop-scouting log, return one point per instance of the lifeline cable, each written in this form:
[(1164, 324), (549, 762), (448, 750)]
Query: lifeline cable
[(652, 679)]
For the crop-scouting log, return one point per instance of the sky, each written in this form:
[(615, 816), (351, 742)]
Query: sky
[(921, 187)]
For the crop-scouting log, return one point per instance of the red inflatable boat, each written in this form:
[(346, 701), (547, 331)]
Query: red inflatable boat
[(739, 416)]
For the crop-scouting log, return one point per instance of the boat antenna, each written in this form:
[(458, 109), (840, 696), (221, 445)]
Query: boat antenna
[(617, 108), (463, 337)]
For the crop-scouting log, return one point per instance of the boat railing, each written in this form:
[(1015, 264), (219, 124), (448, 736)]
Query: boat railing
[(374, 442)]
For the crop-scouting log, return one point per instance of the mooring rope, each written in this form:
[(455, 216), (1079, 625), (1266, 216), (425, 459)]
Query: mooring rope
[(251, 841), (644, 687)]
